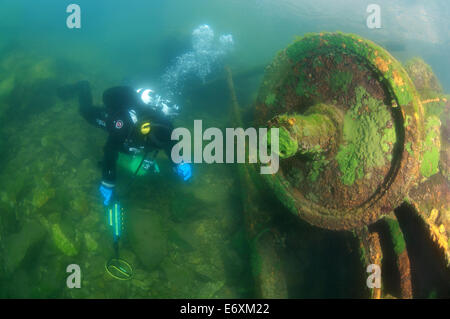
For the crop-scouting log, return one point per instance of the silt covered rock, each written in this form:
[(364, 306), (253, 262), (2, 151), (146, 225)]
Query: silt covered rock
[(148, 238)]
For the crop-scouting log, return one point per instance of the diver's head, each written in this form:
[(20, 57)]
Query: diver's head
[(146, 95), (119, 97), (158, 103)]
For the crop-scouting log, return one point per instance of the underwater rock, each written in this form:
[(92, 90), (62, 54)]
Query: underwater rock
[(21, 285), (423, 77), (210, 289), (182, 237), (217, 185), (186, 208), (33, 75), (143, 280), (95, 267), (63, 241), (180, 279), (87, 172), (4, 198), (128, 255), (80, 205), (91, 221), (91, 243), (147, 238), (43, 69), (41, 196), (16, 246)]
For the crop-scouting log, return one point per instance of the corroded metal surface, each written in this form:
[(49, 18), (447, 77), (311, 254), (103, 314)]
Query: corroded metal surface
[(371, 253), (371, 164), (430, 196)]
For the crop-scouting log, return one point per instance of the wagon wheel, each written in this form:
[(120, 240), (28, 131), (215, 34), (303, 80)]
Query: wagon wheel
[(350, 133)]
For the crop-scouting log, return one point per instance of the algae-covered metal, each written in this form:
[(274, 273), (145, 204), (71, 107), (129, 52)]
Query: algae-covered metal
[(358, 140), (430, 197), (354, 167)]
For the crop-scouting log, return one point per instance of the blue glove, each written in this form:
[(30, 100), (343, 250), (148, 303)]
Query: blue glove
[(184, 170), (106, 191)]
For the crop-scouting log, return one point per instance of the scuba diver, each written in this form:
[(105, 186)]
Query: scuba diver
[(138, 122)]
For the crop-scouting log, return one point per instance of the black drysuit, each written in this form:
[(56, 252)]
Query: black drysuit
[(121, 117)]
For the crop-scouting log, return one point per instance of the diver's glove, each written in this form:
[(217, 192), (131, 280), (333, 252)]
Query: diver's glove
[(184, 170), (106, 190)]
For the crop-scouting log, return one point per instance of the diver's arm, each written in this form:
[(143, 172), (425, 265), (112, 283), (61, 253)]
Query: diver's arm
[(92, 114), (95, 116), (161, 137), (183, 170), (82, 90)]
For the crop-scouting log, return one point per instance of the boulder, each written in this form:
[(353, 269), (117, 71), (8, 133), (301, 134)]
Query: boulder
[(65, 240), (18, 245), (147, 237)]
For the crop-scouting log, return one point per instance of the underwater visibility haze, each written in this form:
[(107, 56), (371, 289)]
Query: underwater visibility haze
[(359, 95)]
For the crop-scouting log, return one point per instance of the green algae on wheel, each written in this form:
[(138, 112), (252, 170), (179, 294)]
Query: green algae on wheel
[(350, 129)]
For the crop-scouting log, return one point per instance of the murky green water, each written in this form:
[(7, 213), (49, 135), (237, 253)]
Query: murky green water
[(184, 240)]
